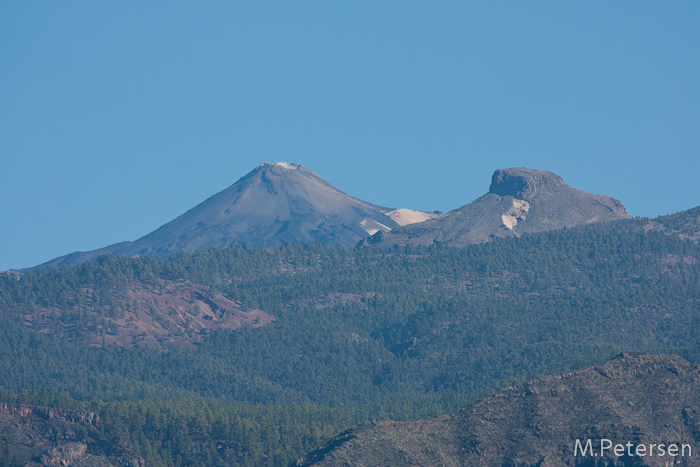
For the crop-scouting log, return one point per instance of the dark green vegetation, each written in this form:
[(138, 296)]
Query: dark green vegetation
[(164, 432), (650, 400), (401, 333)]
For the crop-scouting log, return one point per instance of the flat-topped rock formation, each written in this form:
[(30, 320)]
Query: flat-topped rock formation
[(519, 201)]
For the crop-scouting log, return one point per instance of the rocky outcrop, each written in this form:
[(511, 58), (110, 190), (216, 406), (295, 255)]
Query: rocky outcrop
[(23, 411), (523, 183), (36, 436), (633, 400), (63, 455)]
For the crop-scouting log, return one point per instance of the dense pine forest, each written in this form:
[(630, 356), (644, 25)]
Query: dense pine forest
[(355, 335)]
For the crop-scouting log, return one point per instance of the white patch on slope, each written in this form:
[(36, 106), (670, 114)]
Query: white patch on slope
[(409, 216), (286, 165), (372, 227), (516, 211)]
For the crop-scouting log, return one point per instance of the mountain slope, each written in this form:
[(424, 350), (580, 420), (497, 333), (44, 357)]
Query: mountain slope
[(390, 327), (272, 204), (643, 399), (519, 201), (685, 224), (41, 436), (354, 325)]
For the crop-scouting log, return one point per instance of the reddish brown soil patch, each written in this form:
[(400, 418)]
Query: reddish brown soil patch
[(163, 316)]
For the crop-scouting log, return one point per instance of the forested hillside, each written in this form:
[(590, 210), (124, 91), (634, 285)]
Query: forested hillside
[(405, 332), (632, 398)]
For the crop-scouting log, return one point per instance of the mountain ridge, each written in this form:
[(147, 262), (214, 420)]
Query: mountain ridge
[(284, 201), (639, 398), (519, 201), (271, 204)]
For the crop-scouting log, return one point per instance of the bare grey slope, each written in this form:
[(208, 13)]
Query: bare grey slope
[(272, 204), (637, 398), (519, 201)]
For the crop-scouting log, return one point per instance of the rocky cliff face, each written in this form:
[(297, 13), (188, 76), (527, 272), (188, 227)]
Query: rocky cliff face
[(519, 201), (45, 437), (648, 404), (523, 183)]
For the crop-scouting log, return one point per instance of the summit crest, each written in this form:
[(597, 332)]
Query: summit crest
[(519, 200), (274, 203)]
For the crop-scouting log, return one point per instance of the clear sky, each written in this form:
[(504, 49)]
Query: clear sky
[(116, 117)]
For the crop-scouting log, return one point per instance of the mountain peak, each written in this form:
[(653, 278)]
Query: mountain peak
[(274, 203), (280, 165), (523, 183), (519, 201)]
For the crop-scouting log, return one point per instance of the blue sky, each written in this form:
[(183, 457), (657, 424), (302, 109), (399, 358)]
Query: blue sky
[(115, 117)]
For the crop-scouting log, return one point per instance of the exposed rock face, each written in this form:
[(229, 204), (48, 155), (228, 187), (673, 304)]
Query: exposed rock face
[(522, 183), (409, 216), (519, 201), (63, 455), (517, 212), (642, 399), (172, 314), (40, 436)]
